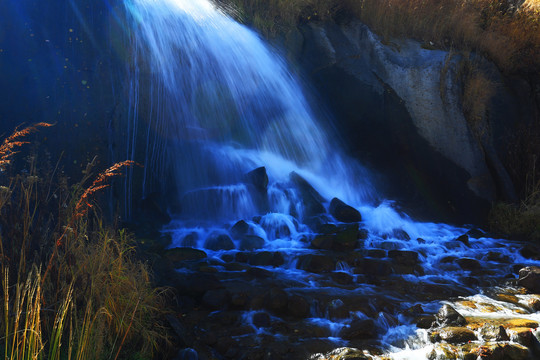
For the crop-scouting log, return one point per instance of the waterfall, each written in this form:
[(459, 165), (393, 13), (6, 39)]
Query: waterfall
[(223, 103)]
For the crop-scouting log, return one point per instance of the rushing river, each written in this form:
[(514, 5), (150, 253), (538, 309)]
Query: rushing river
[(255, 172)]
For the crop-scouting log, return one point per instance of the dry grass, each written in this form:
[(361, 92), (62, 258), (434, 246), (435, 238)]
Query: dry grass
[(504, 31), (95, 298)]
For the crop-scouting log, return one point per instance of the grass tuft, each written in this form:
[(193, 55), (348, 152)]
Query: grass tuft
[(94, 299)]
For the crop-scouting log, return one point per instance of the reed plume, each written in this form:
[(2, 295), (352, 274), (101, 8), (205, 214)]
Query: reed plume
[(12, 142)]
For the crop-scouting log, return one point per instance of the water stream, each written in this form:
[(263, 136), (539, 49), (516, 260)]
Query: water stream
[(255, 172)]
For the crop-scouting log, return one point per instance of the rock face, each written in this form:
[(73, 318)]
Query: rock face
[(410, 98)]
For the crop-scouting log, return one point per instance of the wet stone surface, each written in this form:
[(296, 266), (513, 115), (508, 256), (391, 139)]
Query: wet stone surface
[(283, 286)]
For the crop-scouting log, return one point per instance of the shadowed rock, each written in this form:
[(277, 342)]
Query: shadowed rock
[(343, 212)]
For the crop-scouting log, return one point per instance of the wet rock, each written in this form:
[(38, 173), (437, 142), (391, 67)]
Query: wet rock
[(443, 352), (198, 285), (323, 242), (464, 239), (497, 256), (359, 329), (517, 323), (251, 242), (529, 278), (316, 263), (187, 354), (363, 234), (298, 306), (448, 316), (343, 212), (261, 320), (377, 267), (216, 299), (190, 240), (239, 229), (234, 266), (341, 278), (523, 336), (530, 251), (498, 351), (468, 264), (534, 304), (258, 272), (178, 255), (476, 233), (403, 257), (448, 259), (376, 253), (491, 332), (219, 242), (346, 239), (337, 310), (276, 299), (266, 258), (258, 178), (310, 198), (457, 335), (425, 322), (400, 234), (239, 299), (346, 354), (391, 245)]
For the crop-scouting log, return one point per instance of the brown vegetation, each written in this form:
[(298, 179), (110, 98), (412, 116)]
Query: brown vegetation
[(94, 299)]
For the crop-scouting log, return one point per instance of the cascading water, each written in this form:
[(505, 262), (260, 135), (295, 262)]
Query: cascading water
[(219, 106), (229, 105)]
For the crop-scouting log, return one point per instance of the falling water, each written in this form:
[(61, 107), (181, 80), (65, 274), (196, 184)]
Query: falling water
[(228, 104), (219, 103)]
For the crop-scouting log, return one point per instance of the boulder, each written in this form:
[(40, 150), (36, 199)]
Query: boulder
[(311, 200), (359, 329), (425, 322), (266, 258), (457, 335), (464, 239), (251, 242), (216, 299), (261, 320), (523, 336), (529, 278), (404, 257), (187, 354), (448, 316), (316, 263), (298, 307), (239, 229), (190, 240), (490, 332), (343, 212), (178, 255), (377, 267), (498, 351), (258, 178), (218, 241), (276, 299), (342, 278), (469, 264)]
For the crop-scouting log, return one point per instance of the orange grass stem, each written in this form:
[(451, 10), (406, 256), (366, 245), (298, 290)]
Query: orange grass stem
[(83, 205)]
